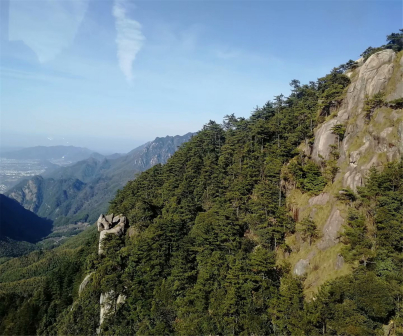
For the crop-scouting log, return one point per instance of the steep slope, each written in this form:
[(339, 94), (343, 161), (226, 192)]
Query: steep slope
[(46, 196), (235, 233), (85, 170), (18, 227), (200, 254), (371, 137), (81, 191), (53, 277)]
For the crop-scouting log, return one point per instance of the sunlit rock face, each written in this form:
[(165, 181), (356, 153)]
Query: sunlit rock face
[(364, 136), (370, 140), (110, 224)]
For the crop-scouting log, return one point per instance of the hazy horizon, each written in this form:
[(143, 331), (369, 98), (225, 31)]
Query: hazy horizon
[(112, 75), (112, 146)]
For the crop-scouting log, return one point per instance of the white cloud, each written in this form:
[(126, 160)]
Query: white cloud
[(129, 38)]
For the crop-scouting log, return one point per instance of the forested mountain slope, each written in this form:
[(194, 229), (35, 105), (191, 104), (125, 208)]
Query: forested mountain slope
[(361, 131), (81, 191), (217, 234), (19, 227)]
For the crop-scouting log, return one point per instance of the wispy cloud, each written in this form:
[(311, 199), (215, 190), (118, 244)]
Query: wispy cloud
[(47, 27), (129, 38)]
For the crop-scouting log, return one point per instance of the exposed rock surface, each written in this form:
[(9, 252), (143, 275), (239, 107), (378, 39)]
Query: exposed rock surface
[(110, 225), (373, 77), (84, 283), (121, 299), (321, 199), (370, 78), (300, 267), (106, 303), (369, 140), (339, 262), (323, 139), (331, 230)]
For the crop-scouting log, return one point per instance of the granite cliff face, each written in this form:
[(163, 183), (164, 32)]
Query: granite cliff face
[(370, 140), (381, 137)]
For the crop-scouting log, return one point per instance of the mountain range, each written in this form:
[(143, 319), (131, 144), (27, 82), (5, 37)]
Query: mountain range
[(285, 223), (79, 192), (55, 154)]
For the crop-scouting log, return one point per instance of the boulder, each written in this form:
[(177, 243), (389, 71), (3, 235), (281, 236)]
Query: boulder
[(121, 299), (300, 267), (321, 199), (103, 223), (109, 218), (116, 226)]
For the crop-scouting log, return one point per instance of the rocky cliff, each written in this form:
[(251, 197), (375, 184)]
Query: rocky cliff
[(373, 135)]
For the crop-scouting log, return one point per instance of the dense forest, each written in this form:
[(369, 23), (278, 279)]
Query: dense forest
[(206, 230)]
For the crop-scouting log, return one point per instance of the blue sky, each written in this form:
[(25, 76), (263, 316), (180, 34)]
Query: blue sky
[(111, 75)]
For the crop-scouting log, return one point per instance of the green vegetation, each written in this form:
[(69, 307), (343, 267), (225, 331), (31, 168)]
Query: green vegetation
[(360, 303), (36, 288), (330, 165), (396, 103), (209, 223), (332, 88), (394, 42), (347, 195), (376, 101), (339, 130), (80, 192), (207, 229), (307, 174), (308, 229)]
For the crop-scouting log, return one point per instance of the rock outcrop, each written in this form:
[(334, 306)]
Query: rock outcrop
[(369, 141), (109, 303), (300, 267), (380, 135), (117, 225), (321, 199), (110, 225), (373, 77), (331, 230), (84, 283)]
